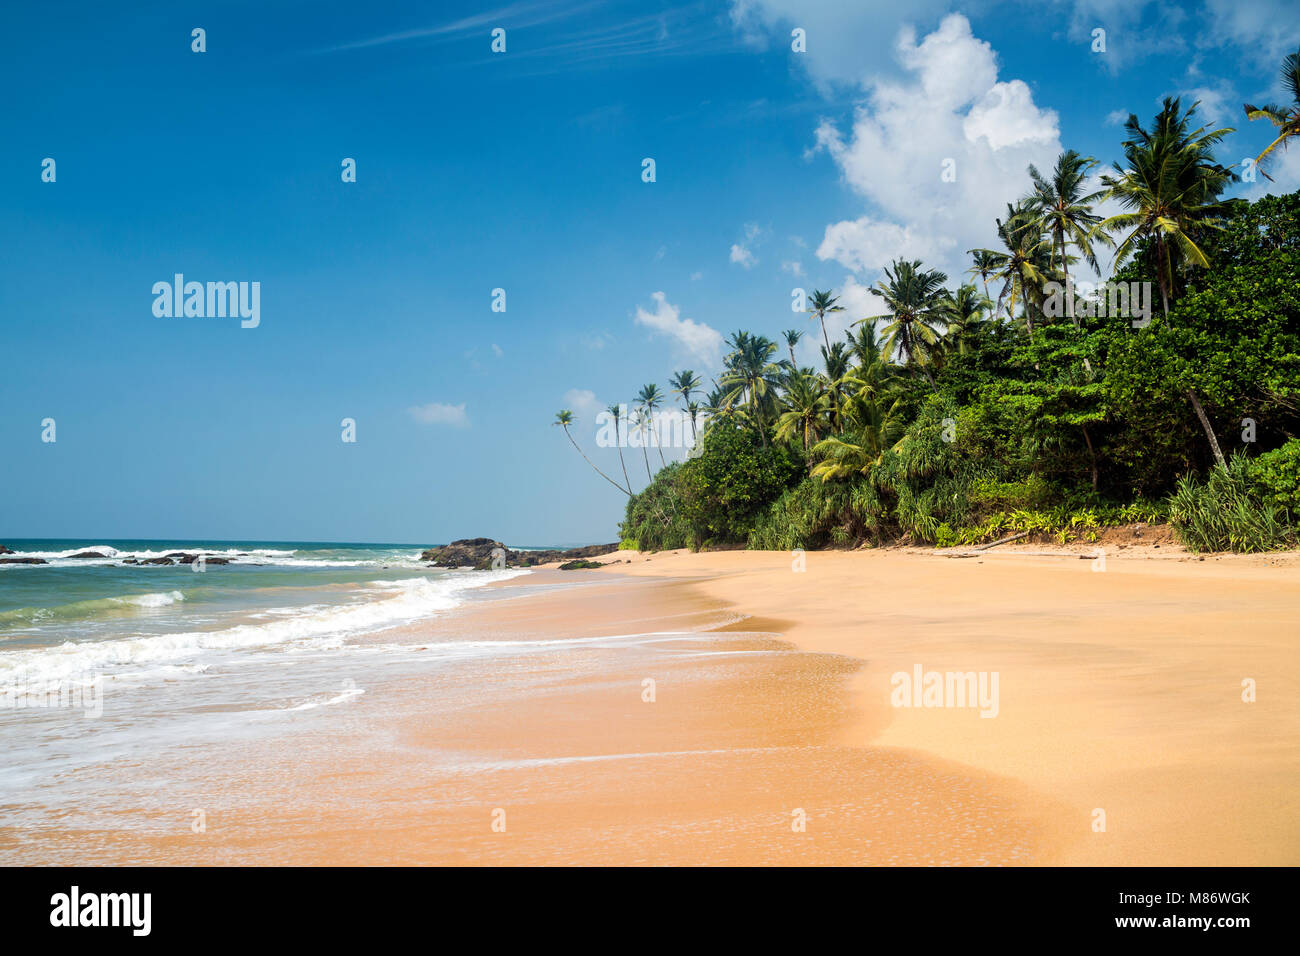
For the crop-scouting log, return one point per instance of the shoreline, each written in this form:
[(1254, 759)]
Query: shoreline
[(772, 736)]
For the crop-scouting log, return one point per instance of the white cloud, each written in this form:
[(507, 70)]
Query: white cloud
[(582, 401), (844, 39), (792, 266), (1266, 30), (1117, 117), (743, 257), (952, 107), (1218, 105), (497, 350), (690, 337), (437, 413)]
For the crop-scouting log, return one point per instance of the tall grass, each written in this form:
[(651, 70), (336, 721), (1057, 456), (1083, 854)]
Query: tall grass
[(1224, 513)]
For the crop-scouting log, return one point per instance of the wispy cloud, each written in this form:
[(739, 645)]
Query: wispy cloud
[(438, 413)]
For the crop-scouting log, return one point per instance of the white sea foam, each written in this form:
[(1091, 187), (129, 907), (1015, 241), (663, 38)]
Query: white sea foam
[(151, 600), (401, 601)]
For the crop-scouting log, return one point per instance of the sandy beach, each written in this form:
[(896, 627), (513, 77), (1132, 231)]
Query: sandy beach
[(724, 708), (1121, 690)]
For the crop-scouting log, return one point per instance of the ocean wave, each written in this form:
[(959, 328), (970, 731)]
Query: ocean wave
[(274, 557), (82, 610), (407, 601)]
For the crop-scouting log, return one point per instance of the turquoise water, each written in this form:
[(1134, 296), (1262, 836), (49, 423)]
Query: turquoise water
[(80, 599), (101, 661)]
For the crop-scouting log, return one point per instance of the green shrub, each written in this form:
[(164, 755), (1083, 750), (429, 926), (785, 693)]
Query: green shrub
[(1276, 478)]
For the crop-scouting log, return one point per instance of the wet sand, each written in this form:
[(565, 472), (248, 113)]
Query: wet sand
[(738, 759)]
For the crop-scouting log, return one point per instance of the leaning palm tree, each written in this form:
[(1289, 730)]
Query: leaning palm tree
[(792, 337), (564, 418), (1285, 118), (686, 384), (650, 398), (913, 299), (1063, 211), (616, 410), (1172, 184), (821, 303)]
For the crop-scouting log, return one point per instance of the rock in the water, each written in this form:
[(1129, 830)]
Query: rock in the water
[(478, 553), (88, 554), (23, 560), (157, 561), (207, 560), (4, 550)]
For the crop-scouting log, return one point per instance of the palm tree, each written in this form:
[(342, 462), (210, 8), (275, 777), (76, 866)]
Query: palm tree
[(685, 384), (1024, 266), (564, 418), (823, 302), (984, 264), (1286, 119), (964, 313), (1064, 213), (861, 450), (641, 422), (616, 410), (751, 377), (1172, 183), (650, 398), (805, 411), (913, 297), (836, 363), (792, 337)]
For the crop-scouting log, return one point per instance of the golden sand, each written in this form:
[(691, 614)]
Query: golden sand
[(771, 738)]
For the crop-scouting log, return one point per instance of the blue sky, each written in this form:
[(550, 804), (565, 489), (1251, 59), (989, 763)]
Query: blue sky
[(478, 170)]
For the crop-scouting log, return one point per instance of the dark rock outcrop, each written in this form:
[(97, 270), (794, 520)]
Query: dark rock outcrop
[(23, 560), (88, 554), (580, 564), (478, 553), (4, 550), (157, 561)]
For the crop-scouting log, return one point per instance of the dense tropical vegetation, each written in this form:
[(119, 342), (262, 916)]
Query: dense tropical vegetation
[(963, 411)]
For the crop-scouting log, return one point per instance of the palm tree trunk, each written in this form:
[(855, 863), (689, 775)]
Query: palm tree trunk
[(1209, 429), (824, 338), (619, 442), (594, 468), (645, 454), (1092, 454)]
